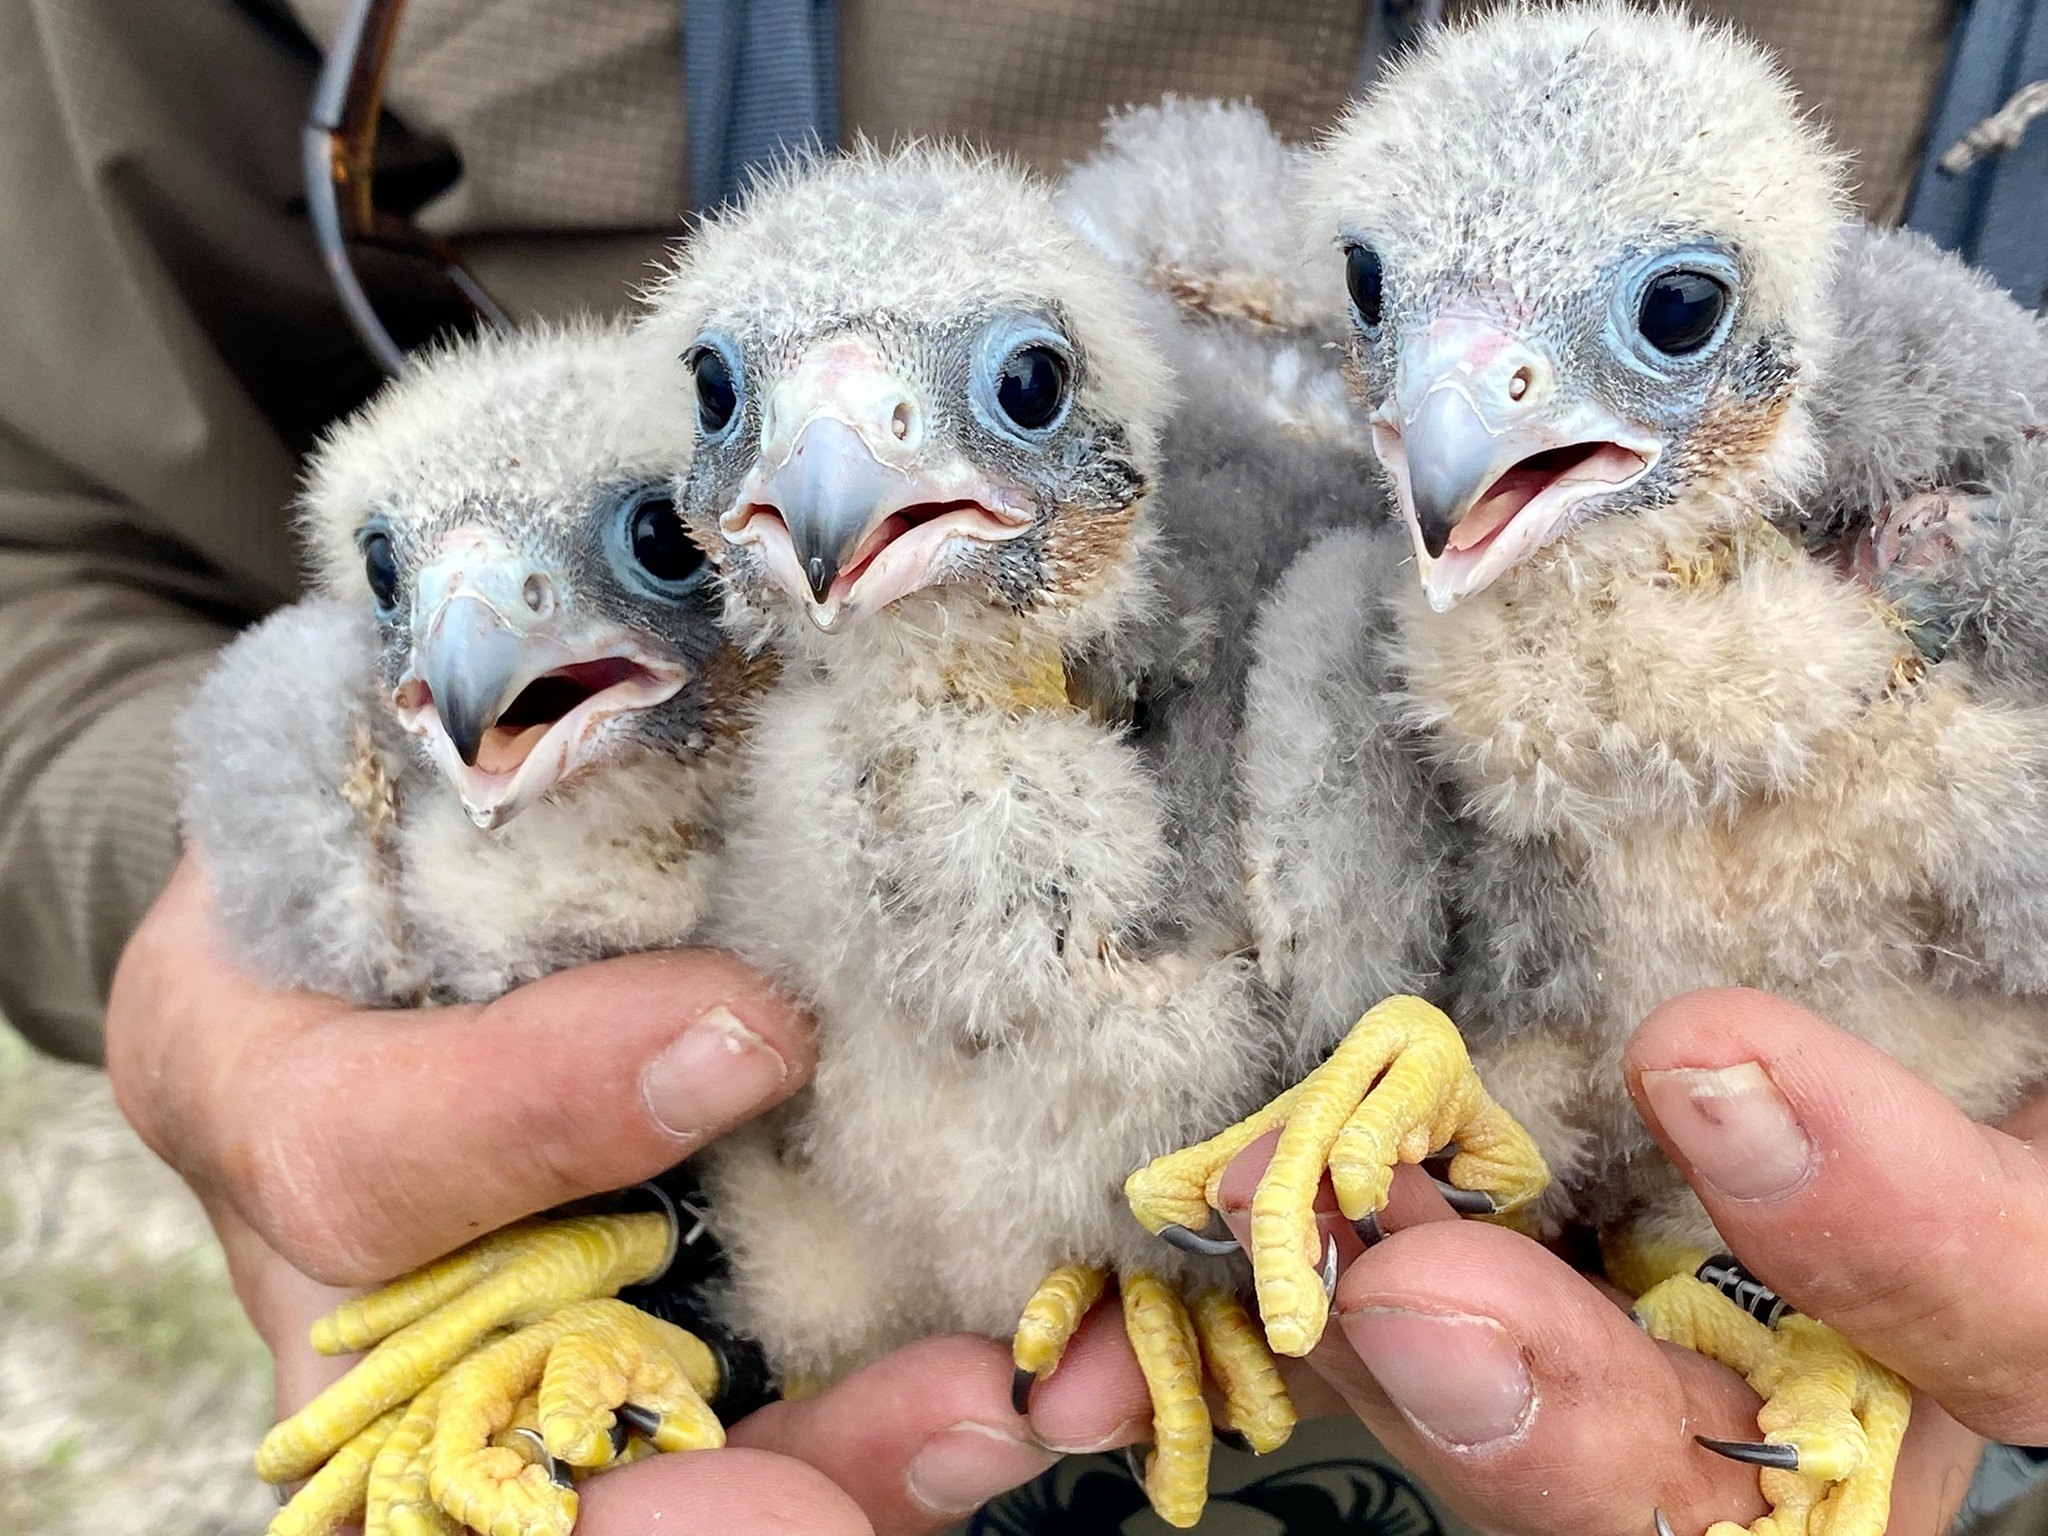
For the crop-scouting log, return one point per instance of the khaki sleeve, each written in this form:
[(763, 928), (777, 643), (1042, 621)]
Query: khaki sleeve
[(167, 344)]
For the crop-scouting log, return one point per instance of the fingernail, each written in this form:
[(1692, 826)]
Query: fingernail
[(1733, 1127), (1130, 1432), (717, 1071), (961, 1468), (1459, 1379)]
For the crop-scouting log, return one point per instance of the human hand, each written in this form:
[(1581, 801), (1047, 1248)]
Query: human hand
[(336, 1146), (1524, 1394), (280, 1110)]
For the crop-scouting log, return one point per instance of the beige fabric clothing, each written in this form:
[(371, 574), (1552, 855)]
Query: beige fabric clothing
[(169, 343)]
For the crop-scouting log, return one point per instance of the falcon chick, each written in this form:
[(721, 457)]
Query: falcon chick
[(492, 745), (988, 814), (1622, 367)]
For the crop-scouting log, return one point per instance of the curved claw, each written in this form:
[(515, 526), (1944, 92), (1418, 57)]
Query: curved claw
[(1198, 1242), (1329, 1266), (1663, 1526), (536, 1451), (1134, 1464), (1466, 1202), (1757, 1453), (644, 1422), (1233, 1439), (1021, 1383), (1369, 1229)]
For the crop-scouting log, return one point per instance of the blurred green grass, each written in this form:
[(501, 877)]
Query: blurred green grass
[(131, 1389)]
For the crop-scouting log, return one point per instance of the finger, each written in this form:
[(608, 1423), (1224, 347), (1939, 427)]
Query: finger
[(736, 1492), (1524, 1396), (918, 1439), (1861, 1195), (359, 1145)]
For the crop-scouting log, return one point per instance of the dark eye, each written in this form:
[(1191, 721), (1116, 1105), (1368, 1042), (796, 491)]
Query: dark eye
[(1032, 387), (1362, 277), (380, 566), (1681, 311), (717, 399), (660, 546)]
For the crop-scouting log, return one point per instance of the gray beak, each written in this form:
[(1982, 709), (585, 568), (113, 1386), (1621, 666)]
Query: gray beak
[(828, 491), (475, 665), (1452, 458)]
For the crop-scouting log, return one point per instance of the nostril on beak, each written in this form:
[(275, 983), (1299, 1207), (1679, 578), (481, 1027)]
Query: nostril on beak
[(1522, 381), (539, 594), (902, 420)]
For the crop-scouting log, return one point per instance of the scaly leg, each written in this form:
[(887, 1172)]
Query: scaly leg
[(1832, 1417), (1172, 1340), (1397, 1090), (433, 1317)]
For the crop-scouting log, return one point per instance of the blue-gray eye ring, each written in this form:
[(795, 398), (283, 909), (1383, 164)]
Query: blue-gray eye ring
[(1024, 384), (650, 545), (1675, 307)]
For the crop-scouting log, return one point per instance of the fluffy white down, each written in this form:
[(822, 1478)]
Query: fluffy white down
[(965, 898)]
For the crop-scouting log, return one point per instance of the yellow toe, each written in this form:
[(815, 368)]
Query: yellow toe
[(1163, 1337), (1255, 1400)]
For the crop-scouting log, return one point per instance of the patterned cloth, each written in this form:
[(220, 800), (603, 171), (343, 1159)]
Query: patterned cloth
[(571, 116)]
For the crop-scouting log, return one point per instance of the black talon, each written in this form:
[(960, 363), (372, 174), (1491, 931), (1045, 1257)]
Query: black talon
[(620, 1436), (1198, 1242), (1329, 1266), (1466, 1202), (1134, 1464), (1663, 1526), (1757, 1453), (1368, 1228), (1021, 1383), (644, 1422), (1233, 1439), (539, 1454)]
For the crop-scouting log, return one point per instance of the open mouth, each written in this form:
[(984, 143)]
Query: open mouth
[(547, 733), (1516, 512), (899, 554), (1595, 465)]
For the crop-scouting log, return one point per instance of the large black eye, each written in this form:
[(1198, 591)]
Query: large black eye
[(658, 542), (1032, 387), (717, 399), (1681, 311), (1363, 278), (380, 566)]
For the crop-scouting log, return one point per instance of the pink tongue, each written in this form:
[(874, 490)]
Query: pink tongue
[(1511, 492), (503, 751)]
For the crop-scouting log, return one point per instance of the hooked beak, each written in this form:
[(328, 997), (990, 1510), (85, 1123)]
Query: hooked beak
[(1489, 464), (510, 693), (848, 507)]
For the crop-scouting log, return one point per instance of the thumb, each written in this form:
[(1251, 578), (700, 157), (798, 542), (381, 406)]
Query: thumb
[(370, 1142)]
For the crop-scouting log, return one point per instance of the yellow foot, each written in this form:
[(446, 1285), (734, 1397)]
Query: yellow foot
[(1399, 1089), (596, 1369), (334, 1495), (1832, 1418), (424, 1322), (1173, 1341)]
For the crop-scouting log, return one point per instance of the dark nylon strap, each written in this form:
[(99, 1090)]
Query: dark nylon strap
[(1994, 214), (760, 84)]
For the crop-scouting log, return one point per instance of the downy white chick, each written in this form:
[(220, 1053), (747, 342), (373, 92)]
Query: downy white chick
[(491, 745), (988, 815), (1621, 356)]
